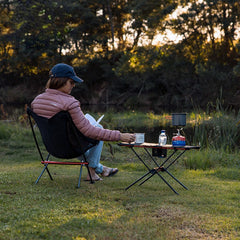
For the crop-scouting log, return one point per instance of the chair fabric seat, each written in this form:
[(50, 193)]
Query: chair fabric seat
[(61, 139)]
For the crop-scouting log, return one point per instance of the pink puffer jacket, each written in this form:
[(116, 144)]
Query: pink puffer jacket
[(53, 101)]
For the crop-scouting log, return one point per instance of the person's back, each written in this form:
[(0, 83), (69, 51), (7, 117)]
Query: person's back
[(53, 101)]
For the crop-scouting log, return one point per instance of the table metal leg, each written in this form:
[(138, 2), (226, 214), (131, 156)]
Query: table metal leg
[(175, 179), (160, 168), (137, 180), (141, 160), (156, 172), (174, 160), (166, 169), (169, 157), (149, 154)]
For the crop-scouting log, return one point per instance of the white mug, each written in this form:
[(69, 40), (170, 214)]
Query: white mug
[(140, 137)]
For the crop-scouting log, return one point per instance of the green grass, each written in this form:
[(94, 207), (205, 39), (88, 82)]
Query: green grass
[(56, 209)]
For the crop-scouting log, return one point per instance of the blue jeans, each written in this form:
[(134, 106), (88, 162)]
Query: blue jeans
[(93, 156)]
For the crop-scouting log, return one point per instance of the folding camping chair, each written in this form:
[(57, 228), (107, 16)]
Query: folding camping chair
[(62, 140)]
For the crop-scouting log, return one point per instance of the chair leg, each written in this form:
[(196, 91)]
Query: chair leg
[(91, 180), (49, 173), (45, 168), (80, 176), (85, 159)]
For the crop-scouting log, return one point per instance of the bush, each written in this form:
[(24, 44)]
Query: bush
[(5, 132)]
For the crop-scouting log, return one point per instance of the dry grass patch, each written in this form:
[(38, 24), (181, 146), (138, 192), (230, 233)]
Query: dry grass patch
[(184, 224)]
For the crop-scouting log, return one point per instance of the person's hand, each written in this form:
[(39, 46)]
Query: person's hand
[(127, 137)]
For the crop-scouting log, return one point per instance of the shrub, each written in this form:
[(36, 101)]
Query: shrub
[(5, 132)]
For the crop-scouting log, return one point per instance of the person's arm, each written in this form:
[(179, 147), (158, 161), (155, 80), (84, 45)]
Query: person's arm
[(91, 131), (86, 128)]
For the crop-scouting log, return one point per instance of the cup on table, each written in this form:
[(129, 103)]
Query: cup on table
[(140, 137)]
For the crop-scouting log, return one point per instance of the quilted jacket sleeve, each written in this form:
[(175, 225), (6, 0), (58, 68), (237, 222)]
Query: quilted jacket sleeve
[(89, 130)]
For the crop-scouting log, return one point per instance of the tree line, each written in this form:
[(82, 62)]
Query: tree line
[(110, 44)]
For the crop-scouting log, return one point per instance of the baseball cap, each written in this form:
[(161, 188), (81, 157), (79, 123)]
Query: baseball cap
[(64, 70)]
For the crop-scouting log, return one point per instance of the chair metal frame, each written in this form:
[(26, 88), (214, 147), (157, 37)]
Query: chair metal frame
[(48, 162)]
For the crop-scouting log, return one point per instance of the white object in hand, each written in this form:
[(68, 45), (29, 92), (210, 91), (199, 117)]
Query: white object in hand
[(92, 120)]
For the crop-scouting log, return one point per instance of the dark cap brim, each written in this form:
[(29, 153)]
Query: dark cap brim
[(76, 79)]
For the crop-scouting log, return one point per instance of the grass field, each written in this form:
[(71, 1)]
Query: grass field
[(56, 209)]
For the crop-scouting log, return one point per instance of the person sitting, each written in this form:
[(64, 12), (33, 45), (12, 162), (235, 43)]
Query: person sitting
[(56, 98)]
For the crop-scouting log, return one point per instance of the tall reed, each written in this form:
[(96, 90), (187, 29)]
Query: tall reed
[(220, 131)]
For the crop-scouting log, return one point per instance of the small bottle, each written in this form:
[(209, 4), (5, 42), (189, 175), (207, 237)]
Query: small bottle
[(162, 138)]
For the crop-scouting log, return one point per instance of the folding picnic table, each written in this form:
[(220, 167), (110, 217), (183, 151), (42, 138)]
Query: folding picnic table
[(159, 168)]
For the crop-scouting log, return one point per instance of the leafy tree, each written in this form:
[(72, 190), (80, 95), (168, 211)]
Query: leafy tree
[(5, 45), (147, 17), (104, 40), (209, 30)]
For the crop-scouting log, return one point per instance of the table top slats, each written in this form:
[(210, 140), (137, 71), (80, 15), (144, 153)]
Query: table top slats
[(156, 145)]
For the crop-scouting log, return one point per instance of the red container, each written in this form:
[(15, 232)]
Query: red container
[(179, 140)]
